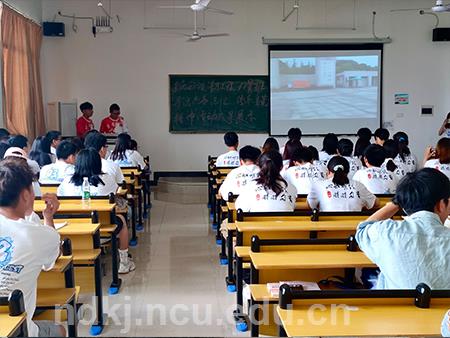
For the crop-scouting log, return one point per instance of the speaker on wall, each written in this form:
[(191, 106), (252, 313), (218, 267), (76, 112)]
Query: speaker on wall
[(441, 34), (54, 29)]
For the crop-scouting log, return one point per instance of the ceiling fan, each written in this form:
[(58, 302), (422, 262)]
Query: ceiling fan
[(195, 36), (439, 7), (199, 6)]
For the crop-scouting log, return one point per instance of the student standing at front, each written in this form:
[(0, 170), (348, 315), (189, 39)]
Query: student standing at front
[(114, 123), (84, 122), (27, 246)]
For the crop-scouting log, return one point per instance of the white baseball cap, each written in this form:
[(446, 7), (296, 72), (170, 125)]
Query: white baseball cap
[(15, 152)]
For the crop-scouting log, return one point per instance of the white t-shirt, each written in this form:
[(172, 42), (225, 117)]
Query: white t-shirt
[(230, 159), (328, 196), (377, 180), (237, 179), (446, 133), (26, 247), (444, 168), (113, 169), (132, 159), (324, 157), (302, 176), (67, 188), (322, 168), (56, 172), (256, 198), (355, 165), (399, 172), (410, 162)]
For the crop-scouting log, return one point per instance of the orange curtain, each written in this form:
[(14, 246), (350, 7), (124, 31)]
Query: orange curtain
[(23, 108)]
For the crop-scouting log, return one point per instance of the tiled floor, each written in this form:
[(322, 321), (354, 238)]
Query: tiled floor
[(178, 287)]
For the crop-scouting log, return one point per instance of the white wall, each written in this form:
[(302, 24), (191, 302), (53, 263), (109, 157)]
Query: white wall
[(131, 66), (30, 8)]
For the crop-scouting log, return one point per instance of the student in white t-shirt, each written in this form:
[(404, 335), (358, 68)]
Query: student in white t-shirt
[(376, 179), (338, 192), (270, 144), (294, 134), (329, 149), (391, 149), (316, 162), (237, 179), (53, 138), (270, 191), (439, 158), (98, 142), (65, 165), (303, 173), (289, 149), (380, 136), (124, 156), (444, 131), (230, 158), (26, 245), (345, 149), (404, 157), (89, 164)]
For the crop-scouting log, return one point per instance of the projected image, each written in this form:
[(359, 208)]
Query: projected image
[(331, 87)]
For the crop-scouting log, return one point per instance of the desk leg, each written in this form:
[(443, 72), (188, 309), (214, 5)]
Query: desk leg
[(230, 281), (223, 254), (97, 327), (239, 316), (281, 331), (72, 318), (254, 318), (134, 239), (116, 281), (140, 225)]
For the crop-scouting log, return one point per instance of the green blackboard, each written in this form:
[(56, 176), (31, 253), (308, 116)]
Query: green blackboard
[(219, 103)]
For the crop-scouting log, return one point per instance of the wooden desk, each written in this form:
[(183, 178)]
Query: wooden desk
[(364, 318), (11, 326), (76, 206)]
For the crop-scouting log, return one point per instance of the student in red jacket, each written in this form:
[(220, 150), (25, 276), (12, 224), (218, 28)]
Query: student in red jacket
[(84, 122), (114, 123)]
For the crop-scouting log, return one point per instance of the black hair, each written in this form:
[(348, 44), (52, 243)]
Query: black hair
[(422, 190), (382, 134), (340, 167), (3, 148), (290, 147), (302, 155), (122, 145), (271, 164), (52, 135), (375, 155), (95, 140), (86, 106), (314, 153), (40, 157), (391, 151), (443, 150), (364, 133), (345, 147), (18, 141), (78, 143), (133, 144), (88, 164), (4, 134), (330, 144), (295, 134), (402, 142), (65, 149), (41, 144), (360, 147), (249, 153), (114, 107), (15, 176), (231, 139), (270, 144)]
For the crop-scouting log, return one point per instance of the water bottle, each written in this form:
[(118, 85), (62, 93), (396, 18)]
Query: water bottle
[(86, 191)]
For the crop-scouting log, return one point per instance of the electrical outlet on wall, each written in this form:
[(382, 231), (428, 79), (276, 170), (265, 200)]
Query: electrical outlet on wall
[(399, 115), (388, 124), (427, 110)]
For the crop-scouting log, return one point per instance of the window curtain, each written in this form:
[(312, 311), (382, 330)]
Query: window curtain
[(23, 108)]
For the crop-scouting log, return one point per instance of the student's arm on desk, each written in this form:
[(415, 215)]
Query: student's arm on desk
[(51, 246), (369, 233)]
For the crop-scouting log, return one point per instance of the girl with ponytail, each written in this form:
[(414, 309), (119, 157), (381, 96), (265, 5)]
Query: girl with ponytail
[(338, 192), (391, 150), (404, 156), (270, 191)]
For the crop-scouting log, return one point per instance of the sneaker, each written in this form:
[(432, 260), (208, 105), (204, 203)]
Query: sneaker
[(126, 267)]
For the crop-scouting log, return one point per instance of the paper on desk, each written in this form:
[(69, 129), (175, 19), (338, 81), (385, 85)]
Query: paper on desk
[(60, 225), (274, 288)]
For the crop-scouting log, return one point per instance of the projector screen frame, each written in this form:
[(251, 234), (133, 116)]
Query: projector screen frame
[(327, 47)]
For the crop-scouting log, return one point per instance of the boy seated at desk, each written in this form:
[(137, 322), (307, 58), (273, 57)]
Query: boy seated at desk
[(56, 172), (26, 245), (238, 178), (416, 249), (230, 158)]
